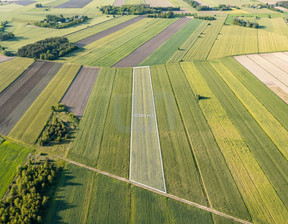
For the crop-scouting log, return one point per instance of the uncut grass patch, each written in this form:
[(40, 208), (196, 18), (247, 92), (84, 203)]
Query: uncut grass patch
[(11, 156), (166, 51), (9, 72), (32, 122)]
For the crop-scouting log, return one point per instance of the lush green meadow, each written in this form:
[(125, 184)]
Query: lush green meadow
[(11, 156), (9, 72), (31, 124)]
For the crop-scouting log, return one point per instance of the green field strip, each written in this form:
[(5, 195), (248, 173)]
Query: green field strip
[(146, 166), (214, 171), (185, 47), (183, 5), (9, 72), (30, 126), (11, 156), (92, 52), (237, 40), (259, 195), (180, 168), (87, 145), (74, 37), (114, 154), (168, 49), (265, 152), (202, 47), (127, 48), (261, 114), (271, 101)]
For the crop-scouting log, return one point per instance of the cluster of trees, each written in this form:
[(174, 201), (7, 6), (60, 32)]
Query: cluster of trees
[(200, 7), (47, 49), (5, 35), (165, 15), (38, 5), (141, 9), (59, 22), (27, 198), (205, 17), (240, 22), (283, 4)]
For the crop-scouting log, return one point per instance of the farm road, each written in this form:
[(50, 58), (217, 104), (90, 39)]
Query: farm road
[(205, 208), (19, 96), (97, 36), (76, 98), (141, 53)]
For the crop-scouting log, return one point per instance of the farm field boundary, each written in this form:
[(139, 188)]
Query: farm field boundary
[(146, 166)]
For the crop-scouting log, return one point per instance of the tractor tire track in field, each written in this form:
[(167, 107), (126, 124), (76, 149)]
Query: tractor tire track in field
[(104, 33), (144, 51), (76, 97), (16, 99), (205, 208)]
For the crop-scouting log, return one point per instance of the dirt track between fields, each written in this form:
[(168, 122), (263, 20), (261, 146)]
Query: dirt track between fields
[(202, 207), (144, 51), (74, 4), (118, 2), (19, 96), (97, 36), (78, 94)]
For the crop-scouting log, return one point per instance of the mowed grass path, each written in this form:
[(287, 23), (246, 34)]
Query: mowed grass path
[(31, 124), (11, 156), (11, 70), (86, 197)]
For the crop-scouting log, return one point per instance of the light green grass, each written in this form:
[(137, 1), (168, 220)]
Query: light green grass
[(265, 152), (10, 70), (168, 49), (11, 156), (265, 205), (31, 124)]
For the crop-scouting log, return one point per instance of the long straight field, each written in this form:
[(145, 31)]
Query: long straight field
[(11, 156), (32, 122)]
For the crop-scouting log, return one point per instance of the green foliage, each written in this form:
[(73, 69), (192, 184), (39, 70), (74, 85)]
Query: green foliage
[(27, 198), (166, 15), (59, 22), (47, 49), (240, 22), (5, 35), (38, 5)]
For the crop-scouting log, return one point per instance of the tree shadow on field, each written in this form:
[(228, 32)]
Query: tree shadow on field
[(204, 98), (59, 203), (16, 38)]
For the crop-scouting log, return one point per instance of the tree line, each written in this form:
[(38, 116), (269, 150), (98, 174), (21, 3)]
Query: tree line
[(27, 198), (47, 49), (199, 7), (3, 34)]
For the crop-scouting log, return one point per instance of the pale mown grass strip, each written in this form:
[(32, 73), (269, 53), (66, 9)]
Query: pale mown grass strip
[(184, 48), (114, 154), (87, 145), (179, 166), (214, 171), (31, 124), (9, 72), (260, 197), (273, 163), (11, 156)]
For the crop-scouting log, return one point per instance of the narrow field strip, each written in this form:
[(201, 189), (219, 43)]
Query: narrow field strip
[(14, 72), (32, 122), (76, 97), (268, 99), (272, 162), (118, 2), (144, 51), (74, 4), (159, 3), (4, 58), (266, 120), (211, 164), (265, 205), (104, 33), (146, 166), (171, 46), (173, 197), (19, 96)]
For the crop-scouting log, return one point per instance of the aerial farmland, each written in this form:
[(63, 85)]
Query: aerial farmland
[(144, 111)]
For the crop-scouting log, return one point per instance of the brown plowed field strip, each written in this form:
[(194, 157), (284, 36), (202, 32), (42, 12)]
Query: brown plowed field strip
[(159, 3), (19, 96), (79, 92), (4, 58), (97, 36), (141, 53), (74, 4), (118, 2)]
